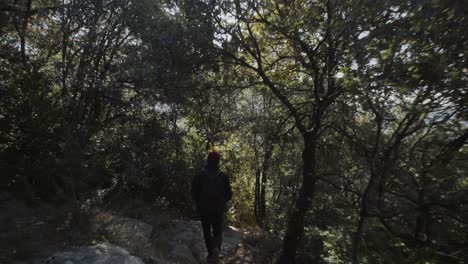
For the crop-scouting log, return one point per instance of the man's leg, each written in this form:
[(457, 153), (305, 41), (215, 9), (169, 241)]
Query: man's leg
[(206, 225), (218, 231)]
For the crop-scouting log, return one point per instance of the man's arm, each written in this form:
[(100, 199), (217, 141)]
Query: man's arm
[(227, 189)]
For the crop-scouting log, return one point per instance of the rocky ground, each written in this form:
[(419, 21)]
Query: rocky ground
[(106, 236), (177, 242)]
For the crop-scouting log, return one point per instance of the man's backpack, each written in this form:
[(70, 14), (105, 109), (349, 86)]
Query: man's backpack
[(212, 196)]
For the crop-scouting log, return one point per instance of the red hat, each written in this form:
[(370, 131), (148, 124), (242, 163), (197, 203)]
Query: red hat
[(213, 159)]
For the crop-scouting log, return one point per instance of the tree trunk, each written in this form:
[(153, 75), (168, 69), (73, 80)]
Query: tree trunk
[(363, 213), (263, 183), (262, 205), (295, 229), (423, 217), (257, 195), (357, 237)]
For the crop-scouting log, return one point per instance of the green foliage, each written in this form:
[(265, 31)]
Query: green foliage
[(129, 96), (86, 105)]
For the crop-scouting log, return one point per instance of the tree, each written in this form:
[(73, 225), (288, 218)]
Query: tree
[(294, 49), (112, 73)]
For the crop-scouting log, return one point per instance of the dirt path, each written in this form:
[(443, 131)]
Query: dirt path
[(31, 236), (242, 254)]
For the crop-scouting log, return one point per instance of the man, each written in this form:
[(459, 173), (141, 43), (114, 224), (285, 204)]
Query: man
[(211, 190)]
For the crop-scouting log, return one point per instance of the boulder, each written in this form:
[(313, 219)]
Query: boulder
[(183, 254), (132, 234), (173, 241), (185, 240), (104, 253)]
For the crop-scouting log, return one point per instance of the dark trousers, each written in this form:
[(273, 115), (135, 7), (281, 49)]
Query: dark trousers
[(212, 231)]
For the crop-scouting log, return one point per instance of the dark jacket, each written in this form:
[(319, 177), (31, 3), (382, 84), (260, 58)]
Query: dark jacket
[(198, 179)]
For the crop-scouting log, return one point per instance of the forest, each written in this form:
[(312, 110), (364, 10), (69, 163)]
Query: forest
[(343, 125)]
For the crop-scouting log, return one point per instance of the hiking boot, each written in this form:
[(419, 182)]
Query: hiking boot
[(215, 254), (212, 259)]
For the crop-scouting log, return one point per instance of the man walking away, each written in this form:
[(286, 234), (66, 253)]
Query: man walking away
[(211, 190)]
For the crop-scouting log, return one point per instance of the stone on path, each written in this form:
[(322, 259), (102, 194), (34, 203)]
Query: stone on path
[(132, 234), (176, 241), (188, 246), (104, 253)]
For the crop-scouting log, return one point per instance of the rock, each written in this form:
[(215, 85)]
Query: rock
[(104, 253), (173, 241), (129, 233), (185, 241), (231, 238), (183, 254)]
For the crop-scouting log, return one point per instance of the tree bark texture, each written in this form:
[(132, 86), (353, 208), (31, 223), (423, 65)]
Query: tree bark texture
[(295, 229)]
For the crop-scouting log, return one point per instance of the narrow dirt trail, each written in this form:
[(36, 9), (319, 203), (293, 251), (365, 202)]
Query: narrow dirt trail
[(30, 237), (242, 254)]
